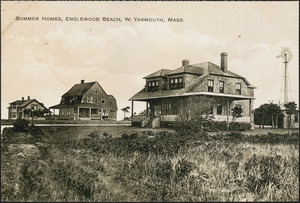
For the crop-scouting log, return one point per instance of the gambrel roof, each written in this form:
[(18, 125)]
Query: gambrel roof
[(79, 89)]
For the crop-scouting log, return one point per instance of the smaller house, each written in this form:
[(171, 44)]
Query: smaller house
[(26, 109)]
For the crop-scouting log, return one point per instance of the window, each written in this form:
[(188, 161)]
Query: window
[(219, 109), (210, 85), (238, 88), (96, 99), (13, 106), (34, 106), (211, 110), (153, 86), (176, 83), (166, 109), (221, 87), (103, 101), (88, 99), (96, 90)]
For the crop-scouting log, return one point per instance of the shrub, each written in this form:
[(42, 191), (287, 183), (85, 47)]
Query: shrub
[(36, 133), (20, 125), (195, 116), (93, 135), (235, 126), (218, 126), (105, 134)]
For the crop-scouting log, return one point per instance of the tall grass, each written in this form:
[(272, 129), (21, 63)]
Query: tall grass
[(151, 166)]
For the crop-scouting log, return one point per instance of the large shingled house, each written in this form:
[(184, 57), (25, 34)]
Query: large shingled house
[(166, 91)]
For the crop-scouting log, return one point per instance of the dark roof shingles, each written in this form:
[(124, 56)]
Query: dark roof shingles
[(79, 89)]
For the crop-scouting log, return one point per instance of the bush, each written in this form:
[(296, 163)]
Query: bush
[(20, 125), (36, 133), (218, 126), (93, 135), (234, 126)]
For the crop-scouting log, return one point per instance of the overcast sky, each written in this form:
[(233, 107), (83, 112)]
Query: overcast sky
[(44, 59)]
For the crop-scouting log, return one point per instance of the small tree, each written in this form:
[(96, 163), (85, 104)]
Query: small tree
[(236, 112), (125, 110), (260, 114), (273, 112), (194, 114), (290, 109)]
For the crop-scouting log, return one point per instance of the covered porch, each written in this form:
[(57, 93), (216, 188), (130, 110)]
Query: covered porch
[(164, 110), (77, 112)]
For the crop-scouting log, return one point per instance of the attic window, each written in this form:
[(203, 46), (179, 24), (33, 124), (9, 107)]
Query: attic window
[(96, 90)]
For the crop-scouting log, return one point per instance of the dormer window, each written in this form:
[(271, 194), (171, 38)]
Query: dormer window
[(210, 85), (176, 83), (153, 86)]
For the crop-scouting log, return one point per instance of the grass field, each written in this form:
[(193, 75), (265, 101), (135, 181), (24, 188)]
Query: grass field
[(136, 164)]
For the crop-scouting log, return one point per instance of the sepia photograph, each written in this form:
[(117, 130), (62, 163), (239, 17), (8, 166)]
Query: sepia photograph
[(149, 101)]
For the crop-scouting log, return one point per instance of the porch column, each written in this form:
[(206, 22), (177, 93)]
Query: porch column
[(91, 113), (162, 113), (101, 114), (131, 108), (252, 125), (147, 109), (78, 113), (228, 114)]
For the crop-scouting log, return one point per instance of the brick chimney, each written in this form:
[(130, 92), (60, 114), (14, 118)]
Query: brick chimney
[(28, 97), (82, 81), (22, 98), (224, 61), (185, 62)]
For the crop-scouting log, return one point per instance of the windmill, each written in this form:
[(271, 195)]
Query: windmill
[(286, 55)]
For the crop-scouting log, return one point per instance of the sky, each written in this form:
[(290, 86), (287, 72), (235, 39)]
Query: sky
[(44, 59)]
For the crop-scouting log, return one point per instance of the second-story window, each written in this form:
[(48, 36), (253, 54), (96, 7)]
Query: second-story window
[(221, 87), (238, 88), (176, 83), (153, 86), (210, 85)]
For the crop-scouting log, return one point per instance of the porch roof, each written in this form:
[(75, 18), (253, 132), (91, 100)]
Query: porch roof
[(144, 96), (81, 105)]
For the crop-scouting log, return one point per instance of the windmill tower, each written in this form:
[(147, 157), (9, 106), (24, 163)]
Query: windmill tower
[(286, 55)]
